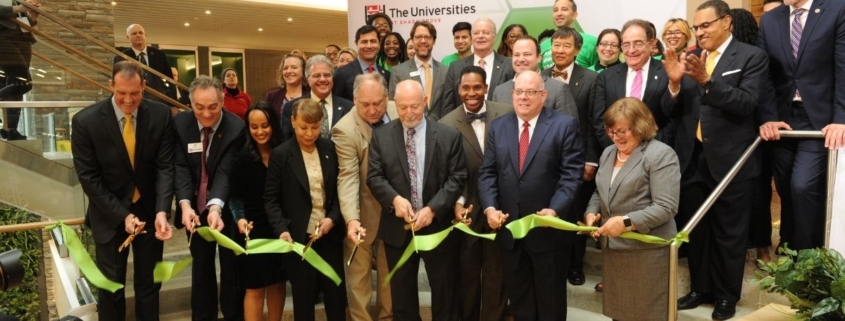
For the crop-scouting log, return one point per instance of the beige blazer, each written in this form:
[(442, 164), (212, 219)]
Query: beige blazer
[(351, 135), (646, 189)]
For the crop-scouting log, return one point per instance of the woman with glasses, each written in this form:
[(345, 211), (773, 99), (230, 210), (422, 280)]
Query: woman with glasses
[(509, 37), (637, 191), (608, 49), (392, 51), (676, 35), (292, 84), (345, 56)]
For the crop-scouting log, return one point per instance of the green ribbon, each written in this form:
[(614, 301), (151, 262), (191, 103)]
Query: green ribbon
[(83, 260), (212, 235), (266, 246), (166, 270)]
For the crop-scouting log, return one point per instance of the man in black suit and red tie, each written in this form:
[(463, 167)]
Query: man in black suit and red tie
[(367, 40), (417, 171), (153, 57), (533, 163), (206, 140), (123, 155)]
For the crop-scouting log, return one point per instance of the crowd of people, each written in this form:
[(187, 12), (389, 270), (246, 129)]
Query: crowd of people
[(360, 150)]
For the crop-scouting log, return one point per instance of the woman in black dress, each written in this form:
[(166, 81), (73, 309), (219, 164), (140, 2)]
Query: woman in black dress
[(262, 275)]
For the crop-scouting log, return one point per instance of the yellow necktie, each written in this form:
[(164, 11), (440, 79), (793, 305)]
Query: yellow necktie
[(129, 140), (428, 83), (709, 66)]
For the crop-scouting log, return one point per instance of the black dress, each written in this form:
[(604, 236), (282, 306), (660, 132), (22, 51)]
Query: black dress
[(247, 177)]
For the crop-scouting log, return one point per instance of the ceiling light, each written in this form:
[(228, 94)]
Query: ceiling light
[(59, 78), (113, 3), (260, 29), (208, 12), (187, 24), (290, 19)]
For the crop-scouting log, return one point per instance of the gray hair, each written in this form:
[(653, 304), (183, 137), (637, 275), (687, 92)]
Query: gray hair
[(487, 20), (362, 78), (132, 25), (205, 82), (318, 59)]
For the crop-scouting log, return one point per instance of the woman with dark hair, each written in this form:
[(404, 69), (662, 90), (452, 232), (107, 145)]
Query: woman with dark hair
[(235, 100), (392, 51), (509, 37), (262, 275), (610, 41), (744, 26), (302, 205), (292, 84)]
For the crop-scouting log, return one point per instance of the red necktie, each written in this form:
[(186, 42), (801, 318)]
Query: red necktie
[(370, 69), (523, 145), (201, 194)]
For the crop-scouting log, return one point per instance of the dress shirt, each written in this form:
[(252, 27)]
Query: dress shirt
[(488, 61), (419, 145), (316, 188), (478, 125), (568, 70), (121, 116), (213, 201), (533, 124), (329, 106), (420, 69), (365, 65), (629, 81), (138, 55)]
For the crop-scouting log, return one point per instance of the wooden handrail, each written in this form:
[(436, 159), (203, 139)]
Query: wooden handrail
[(74, 72), (38, 225)]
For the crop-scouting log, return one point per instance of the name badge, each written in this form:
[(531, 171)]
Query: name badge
[(194, 148), (415, 73)]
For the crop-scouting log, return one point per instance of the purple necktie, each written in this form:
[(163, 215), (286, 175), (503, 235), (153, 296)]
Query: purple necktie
[(637, 86), (411, 149), (795, 37), (201, 193)]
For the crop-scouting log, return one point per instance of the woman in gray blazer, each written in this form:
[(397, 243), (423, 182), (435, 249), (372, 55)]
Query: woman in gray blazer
[(638, 184)]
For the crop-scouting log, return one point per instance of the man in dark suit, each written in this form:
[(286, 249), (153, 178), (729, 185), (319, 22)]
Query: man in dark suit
[(533, 163), (497, 67), (177, 93), (526, 57), (720, 86), (481, 290), (417, 171), (641, 77), (423, 68), (149, 56), (318, 72), (367, 40), (205, 142), (808, 69), (566, 45), (123, 155), (15, 58)]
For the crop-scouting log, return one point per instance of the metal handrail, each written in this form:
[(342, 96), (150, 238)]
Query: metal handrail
[(696, 218), (38, 225)]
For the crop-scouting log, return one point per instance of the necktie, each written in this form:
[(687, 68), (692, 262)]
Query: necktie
[(637, 86), (560, 74), (129, 141), (411, 149), (428, 83), (482, 63), (203, 190), (523, 145), (324, 123), (471, 117), (142, 58), (708, 66), (795, 38), (370, 69)]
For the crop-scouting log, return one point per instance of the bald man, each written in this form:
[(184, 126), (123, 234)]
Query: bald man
[(153, 57)]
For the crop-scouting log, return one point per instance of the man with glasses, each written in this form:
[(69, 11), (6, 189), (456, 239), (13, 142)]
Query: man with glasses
[(367, 40), (318, 72), (423, 68), (332, 51), (497, 67), (462, 38), (533, 163), (641, 77), (382, 22), (564, 13), (719, 87)]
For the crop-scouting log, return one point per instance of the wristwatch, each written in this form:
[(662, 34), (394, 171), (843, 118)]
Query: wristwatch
[(707, 85), (628, 225)]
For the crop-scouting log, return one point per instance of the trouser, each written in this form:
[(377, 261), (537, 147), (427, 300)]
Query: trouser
[(360, 282), (481, 288), (535, 282), (15, 57), (204, 293)]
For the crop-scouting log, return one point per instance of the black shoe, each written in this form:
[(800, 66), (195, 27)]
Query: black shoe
[(693, 300), (4, 134), (576, 277), (724, 310), (13, 134)]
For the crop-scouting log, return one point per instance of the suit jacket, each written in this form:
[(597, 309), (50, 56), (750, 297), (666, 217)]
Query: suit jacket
[(559, 96), (645, 189), (582, 84), (438, 72), (340, 107), (474, 154), (157, 60), (287, 196), (817, 73), (351, 136), (612, 87), (6, 14), (184, 96), (227, 141), (726, 111), (445, 176), (344, 78), (502, 72), (106, 174), (552, 173)]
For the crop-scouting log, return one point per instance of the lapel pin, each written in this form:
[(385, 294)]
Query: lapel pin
[(818, 10), (576, 83), (327, 156), (655, 77)]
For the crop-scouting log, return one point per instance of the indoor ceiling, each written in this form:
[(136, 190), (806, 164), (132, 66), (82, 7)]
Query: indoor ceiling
[(231, 24)]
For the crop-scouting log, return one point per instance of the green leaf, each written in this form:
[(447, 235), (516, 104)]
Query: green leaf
[(825, 306)]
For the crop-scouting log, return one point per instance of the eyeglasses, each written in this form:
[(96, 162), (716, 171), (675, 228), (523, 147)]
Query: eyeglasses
[(331, 54), (676, 33), (380, 25), (318, 76), (618, 132), (481, 32), (514, 36), (609, 45), (706, 25), (639, 44), (421, 38), (528, 93)]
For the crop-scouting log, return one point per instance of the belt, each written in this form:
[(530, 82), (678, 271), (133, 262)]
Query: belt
[(797, 104)]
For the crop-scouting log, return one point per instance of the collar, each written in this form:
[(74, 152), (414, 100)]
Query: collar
[(216, 125), (364, 65), (328, 99), (420, 127), (419, 63), (488, 59), (568, 70), (724, 45), (532, 121), (806, 6), (644, 68), (138, 53), (482, 110), (119, 113)]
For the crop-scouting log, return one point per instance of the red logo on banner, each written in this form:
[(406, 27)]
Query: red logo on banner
[(373, 9)]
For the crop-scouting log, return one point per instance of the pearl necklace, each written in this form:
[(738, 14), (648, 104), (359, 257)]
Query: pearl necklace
[(620, 158)]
